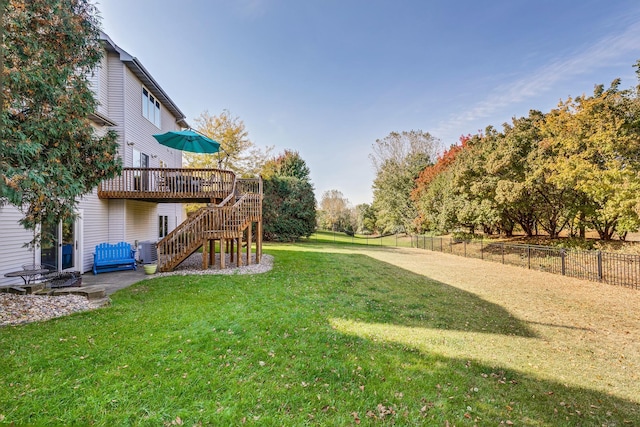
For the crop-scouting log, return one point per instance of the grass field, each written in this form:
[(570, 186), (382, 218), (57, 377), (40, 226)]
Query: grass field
[(335, 335), (395, 240)]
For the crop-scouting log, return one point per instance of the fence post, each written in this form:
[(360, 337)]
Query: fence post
[(481, 250), (562, 256), (600, 266), (529, 256), (465, 248), (502, 244)]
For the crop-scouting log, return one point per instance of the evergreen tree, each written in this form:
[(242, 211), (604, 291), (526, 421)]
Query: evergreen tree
[(49, 152), (289, 205)]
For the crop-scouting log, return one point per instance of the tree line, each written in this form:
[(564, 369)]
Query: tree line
[(574, 168)]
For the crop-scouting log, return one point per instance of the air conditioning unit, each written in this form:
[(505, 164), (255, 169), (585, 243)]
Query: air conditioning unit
[(148, 252)]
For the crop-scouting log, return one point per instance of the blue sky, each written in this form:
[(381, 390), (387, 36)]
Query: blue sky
[(329, 77)]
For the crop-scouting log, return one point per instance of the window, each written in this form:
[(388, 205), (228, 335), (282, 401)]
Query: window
[(150, 107), (140, 160), (140, 178), (163, 226)]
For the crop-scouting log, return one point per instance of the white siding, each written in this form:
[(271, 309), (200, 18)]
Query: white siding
[(141, 221), (103, 85), (116, 95), (95, 226), (13, 254), (117, 225), (100, 84), (175, 214), (139, 130)]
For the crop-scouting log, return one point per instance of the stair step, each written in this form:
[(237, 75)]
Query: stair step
[(33, 288), (18, 290), (92, 292)]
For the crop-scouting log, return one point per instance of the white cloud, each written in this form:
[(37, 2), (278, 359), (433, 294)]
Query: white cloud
[(604, 52)]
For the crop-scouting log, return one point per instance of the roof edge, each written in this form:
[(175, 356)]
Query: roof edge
[(145, 77)]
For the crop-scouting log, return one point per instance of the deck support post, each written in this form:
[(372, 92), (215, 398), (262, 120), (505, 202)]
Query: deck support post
[(205, 255), (259, 241), (249, 243), (239, 250), (223, 245)]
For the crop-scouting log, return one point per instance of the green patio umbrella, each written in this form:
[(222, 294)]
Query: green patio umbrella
[(188, 140)]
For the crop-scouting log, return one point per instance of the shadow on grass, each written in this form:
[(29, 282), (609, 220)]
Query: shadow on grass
[(288, 347), (384, 293)]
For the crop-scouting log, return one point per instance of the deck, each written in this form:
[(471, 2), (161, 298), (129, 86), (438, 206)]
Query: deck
[(169, 185), (233, 206)]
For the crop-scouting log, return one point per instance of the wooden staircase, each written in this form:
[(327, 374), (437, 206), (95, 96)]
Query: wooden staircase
[(226, 221)]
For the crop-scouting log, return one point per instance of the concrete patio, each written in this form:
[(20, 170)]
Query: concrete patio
[(113, 281)]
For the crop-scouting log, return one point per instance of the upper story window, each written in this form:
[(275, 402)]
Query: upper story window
[(150, 107)]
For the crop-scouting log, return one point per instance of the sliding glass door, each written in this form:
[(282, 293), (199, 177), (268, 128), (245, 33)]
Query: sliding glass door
[(62, 252)]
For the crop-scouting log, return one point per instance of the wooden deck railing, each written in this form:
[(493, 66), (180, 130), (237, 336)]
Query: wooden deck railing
[(249, 186), (169, 184)]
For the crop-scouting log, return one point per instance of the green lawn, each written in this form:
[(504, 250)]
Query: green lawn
[(324, 236), (282, 348)]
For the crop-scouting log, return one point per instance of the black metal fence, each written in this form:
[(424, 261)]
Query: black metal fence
[(613, 268)]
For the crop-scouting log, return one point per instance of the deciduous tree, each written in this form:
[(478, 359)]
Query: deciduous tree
[(596, 144), (365, 219), (335, 211), (398, 160), (238, 153)]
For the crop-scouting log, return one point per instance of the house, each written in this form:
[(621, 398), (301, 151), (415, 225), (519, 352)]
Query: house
[(145, 203)]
